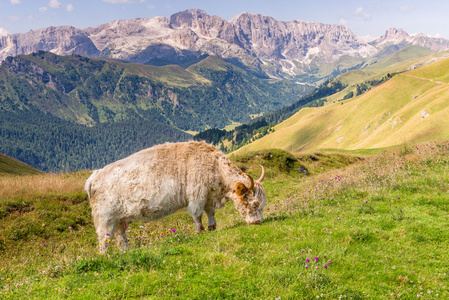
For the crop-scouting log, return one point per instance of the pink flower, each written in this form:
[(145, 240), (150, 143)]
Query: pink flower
[(43, 244), (308, 260), (173, 230), (316, 258)]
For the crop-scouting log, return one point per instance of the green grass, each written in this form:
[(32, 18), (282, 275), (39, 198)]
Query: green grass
[(379, 224), (11, 166)]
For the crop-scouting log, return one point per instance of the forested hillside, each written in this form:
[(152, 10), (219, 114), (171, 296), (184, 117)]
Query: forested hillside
[(52, 144), (73, 112), (212, 93)]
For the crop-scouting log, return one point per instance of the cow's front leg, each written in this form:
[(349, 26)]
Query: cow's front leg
[(212, 224), (196, 211), (122, 239)]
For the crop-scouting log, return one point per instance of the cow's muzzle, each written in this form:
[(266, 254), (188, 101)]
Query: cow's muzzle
[(257, 222)]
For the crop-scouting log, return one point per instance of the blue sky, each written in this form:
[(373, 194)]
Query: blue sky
[(363, 17)]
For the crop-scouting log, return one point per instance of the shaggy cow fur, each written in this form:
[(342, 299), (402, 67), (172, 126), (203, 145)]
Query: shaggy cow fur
[(158, 181)]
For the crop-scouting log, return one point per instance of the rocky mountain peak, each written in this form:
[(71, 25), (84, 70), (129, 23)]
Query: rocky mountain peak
[(395, 36), (261, 42)]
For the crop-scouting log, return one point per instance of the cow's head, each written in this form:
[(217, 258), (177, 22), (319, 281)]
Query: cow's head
[(250, 201)]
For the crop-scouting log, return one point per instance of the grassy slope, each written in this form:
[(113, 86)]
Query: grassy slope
[(388, 115), (11, 166), (376, 69), (379, 225)]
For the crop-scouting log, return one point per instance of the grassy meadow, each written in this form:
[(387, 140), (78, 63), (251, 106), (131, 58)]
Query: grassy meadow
[(357, 227), (410, 107)]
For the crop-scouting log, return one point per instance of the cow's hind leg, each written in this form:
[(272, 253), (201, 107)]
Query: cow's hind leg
[(105, 231), (122, 239), (212, 224)]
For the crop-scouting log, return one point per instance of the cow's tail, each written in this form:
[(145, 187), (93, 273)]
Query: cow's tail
[(88, 185)]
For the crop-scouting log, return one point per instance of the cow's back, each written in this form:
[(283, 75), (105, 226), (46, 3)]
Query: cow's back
[(166, 175)]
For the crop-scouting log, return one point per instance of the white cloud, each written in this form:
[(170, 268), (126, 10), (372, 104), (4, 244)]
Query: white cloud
[(368, 38), (43, 9), (69, 7), (54, 4), (361, 13), (15, 1), (123, 1), (406, 8), (358, 11), (343, 21), (3, 31)]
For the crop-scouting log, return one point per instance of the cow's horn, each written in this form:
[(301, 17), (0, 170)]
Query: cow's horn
[(261, 176), (252, 182)]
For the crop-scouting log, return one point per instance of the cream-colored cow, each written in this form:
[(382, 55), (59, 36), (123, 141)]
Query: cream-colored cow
[(158, 181)]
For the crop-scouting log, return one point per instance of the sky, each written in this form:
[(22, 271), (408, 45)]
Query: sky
[(366, 18)]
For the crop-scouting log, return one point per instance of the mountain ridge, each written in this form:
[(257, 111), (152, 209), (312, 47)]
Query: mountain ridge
[(260, 42)]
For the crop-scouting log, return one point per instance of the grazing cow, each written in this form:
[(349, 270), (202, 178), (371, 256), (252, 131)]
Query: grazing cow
[(158, 181)]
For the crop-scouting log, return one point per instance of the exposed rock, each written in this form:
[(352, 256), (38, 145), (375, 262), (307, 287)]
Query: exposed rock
[(395, 36), (303, 170), (424, 114)]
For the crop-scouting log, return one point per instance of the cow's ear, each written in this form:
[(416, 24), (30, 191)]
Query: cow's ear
[(240, 189)]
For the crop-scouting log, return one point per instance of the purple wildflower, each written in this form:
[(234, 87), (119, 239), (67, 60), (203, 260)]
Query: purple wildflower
[(173, 230), (316, 258), (308, 260), (325, 266)]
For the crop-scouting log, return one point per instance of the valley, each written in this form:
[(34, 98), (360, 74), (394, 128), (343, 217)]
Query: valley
[(353, 137)]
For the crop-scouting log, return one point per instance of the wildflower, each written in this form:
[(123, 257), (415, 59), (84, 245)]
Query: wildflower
[(325, 266), (307, 266), (173, 230), (108, 240), (8, 279), (107, 233), (141, 226), (44, 244), (366, 201), (316, 258), (308, 260)]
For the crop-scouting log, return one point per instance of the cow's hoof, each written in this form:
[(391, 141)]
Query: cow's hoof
[(212, 227), (200, 229)]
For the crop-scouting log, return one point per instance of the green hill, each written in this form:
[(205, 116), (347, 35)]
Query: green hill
[(11, 166), (72, 112), (409, 108)]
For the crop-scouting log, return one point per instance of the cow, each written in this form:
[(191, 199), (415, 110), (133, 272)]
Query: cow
[(160, 180)]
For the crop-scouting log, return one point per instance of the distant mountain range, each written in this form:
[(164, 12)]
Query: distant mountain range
[(260, 43)]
